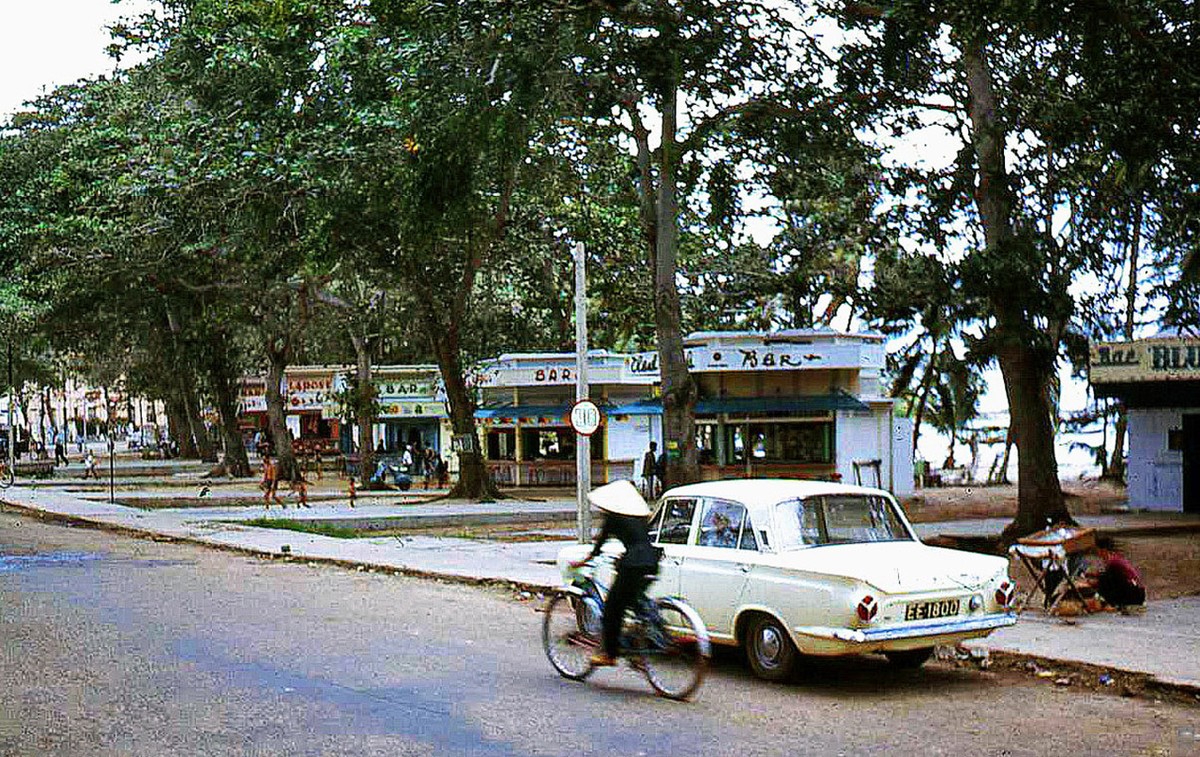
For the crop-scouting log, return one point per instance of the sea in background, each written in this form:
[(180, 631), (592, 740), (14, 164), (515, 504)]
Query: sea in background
[(1076, 459)]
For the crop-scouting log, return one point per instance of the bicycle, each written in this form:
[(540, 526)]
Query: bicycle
[(663, 638), (6, 475)]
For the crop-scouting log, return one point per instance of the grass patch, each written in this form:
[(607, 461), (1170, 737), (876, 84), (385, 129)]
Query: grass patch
[(306, 527)]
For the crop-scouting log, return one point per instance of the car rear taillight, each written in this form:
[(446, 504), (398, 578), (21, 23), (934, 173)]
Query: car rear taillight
[(1004, 594), (867, 608)]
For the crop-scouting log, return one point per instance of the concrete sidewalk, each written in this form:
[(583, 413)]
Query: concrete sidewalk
[(1163, 642)]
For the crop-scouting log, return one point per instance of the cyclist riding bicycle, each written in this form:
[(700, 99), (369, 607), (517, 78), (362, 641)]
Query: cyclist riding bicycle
[(625, 519)]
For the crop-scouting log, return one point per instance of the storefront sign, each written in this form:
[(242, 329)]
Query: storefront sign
[(404, 388), (775, 357), (540, 375), (463, 443), (428, 408), (252, 397), (1144, 360)]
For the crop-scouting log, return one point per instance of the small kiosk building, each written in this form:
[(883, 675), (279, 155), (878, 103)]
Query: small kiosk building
[(1158, 380)]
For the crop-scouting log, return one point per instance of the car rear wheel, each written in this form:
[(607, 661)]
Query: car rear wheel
[(769, 649), (909, 659)]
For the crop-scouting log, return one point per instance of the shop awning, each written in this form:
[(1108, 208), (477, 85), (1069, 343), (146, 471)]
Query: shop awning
[(556, 412), (641, 407), (822, 403)]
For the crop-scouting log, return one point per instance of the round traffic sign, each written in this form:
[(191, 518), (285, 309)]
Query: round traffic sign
[(585, 417)]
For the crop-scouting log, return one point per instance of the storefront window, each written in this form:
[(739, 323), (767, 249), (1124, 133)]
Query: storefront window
[(780, 442), (502, 444), (556, 444)]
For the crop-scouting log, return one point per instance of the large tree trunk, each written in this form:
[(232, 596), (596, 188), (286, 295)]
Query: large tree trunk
[(180, 430), (236, 462), (364, 406), (658, 210), (281, 438), (204, 444), (225, 379), (1026, 366), (679, 390), (1039, 494), (474, 481)]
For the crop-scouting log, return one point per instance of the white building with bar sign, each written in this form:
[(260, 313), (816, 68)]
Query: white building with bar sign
[(1158, 380), (796, 404)]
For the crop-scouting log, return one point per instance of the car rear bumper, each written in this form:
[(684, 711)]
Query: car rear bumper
[(832, 641)]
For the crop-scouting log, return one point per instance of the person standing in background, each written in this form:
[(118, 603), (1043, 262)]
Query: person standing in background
[(649, 470)]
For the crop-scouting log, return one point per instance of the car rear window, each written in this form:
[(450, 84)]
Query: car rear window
[(838, 519)]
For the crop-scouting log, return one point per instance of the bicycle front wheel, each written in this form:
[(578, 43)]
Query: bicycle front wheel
[(569, 635), (676, 666)]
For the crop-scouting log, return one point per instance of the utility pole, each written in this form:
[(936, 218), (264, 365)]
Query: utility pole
[(12, 430), (583, 444)]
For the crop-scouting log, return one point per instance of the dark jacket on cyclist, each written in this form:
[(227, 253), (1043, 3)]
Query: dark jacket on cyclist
[(625, 513), (634, 533)]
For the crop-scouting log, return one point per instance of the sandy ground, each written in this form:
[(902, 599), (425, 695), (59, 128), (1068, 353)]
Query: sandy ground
[(1084, 497)]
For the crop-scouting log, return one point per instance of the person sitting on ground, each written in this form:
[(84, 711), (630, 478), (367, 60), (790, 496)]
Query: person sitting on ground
[(1116, 581)]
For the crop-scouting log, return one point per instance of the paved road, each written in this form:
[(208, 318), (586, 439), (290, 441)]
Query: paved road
[(114, 645)]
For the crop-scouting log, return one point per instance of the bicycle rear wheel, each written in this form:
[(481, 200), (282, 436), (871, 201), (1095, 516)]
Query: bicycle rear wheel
[(677, 669), (570, 635)]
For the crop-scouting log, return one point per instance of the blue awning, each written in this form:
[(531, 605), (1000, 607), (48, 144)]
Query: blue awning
[(822, 403), (640, 407), (523, 411)]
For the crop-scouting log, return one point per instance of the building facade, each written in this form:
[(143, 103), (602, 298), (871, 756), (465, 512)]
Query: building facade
[(1158, 380), (792, 404)]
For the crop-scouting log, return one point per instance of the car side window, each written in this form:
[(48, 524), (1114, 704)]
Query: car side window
[(721, 524), (676, 524)]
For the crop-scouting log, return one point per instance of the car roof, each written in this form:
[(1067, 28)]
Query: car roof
[(766, 490)]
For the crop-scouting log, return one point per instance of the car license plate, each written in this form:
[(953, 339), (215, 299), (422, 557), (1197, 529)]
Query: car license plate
[(938, 608)]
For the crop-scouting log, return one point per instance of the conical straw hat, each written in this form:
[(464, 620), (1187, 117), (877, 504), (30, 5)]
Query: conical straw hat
[(620, 497)]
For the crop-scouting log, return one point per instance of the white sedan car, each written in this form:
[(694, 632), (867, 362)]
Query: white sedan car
[(783, 568)]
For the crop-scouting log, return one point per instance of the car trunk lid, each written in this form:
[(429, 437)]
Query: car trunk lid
[(900, 567)]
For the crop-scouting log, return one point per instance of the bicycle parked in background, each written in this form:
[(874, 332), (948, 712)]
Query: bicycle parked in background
[(663, 638)]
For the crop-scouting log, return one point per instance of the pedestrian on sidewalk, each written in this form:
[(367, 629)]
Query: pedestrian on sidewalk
[(89, 465), (300, 489), (430, 466), (649, 468), (443, 472), (270, 481), (60, 448)]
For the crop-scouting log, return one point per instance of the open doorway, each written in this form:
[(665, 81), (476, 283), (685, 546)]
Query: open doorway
[(1191, 463)]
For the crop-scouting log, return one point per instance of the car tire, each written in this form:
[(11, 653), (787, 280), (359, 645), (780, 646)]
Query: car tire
[(769, 649), (909, 659)]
